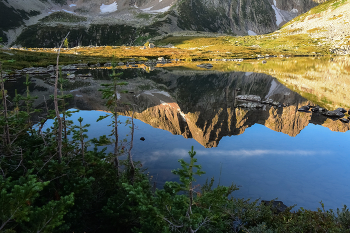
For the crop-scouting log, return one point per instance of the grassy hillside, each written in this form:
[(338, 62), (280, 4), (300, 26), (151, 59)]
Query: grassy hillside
[(329, 5)]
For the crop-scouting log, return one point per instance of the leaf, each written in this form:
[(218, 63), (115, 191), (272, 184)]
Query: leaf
[(100, 118)]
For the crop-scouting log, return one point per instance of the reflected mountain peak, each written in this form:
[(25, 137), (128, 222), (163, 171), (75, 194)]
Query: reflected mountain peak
[(209, 105)]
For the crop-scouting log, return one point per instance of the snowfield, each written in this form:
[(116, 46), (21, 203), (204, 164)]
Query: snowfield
[(149, 11), (279, 17), (109, 8), (251, 33)]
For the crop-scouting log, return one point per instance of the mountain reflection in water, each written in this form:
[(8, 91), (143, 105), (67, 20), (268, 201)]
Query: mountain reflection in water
[(278, 153)]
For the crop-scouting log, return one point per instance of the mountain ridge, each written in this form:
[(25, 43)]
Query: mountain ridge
[(144, 18)]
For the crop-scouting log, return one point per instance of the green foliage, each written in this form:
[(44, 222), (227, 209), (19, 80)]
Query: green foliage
[(144, 16), (66, 43), (16, 198), (43, 35), (63, 17), (18, 209), (193, 210)]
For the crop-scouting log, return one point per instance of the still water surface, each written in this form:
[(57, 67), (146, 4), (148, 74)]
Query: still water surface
[(269, 151)]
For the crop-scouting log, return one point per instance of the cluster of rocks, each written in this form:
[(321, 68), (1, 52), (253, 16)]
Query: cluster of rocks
[(341, 50), (338, 113), (163, 60), (205, 65), (50, 70), (254, 101), (40, 70), (224, 59)]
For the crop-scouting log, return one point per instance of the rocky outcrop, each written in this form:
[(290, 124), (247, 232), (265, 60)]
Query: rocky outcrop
[(325, 23)]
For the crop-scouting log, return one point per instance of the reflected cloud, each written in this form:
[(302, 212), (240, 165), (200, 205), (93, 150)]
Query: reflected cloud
[(247, 153), (177, 153), (181, 153)]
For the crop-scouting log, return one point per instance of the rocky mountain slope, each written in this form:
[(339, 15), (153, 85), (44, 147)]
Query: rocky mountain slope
[(42, 23), (329, 23)]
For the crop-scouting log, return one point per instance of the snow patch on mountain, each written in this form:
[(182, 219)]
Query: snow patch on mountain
[(150, 11), (279, 16), (251, 33), (109, 8), (70, 12)]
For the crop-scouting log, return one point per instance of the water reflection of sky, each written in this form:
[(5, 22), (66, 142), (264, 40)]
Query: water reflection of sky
[(302, 170)]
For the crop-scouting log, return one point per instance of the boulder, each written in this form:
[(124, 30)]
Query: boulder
[(318, 109), (334, 113), (304, 109), (342, 110), (344, 120), (69, 67), (249, 98), (250, 105), (267, 101), (315, 109), (71, 76), (205, 65)]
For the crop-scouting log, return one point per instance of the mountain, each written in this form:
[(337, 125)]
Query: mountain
[(198, 104), (43, 23)]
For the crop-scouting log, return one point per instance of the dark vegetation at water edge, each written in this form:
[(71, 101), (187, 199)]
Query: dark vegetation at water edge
[(23, 59), (41, 35), (52, 183)]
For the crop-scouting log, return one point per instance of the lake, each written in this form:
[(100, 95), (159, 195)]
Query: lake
[(241, 118)]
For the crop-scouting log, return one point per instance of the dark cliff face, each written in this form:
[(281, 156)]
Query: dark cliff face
[(238, 16), (235, 16)]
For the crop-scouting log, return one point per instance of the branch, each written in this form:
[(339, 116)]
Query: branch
[(132, 167), (45, 163), (201, 224), (59, 137), (2, 226), (172, 224), (45, 225)]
